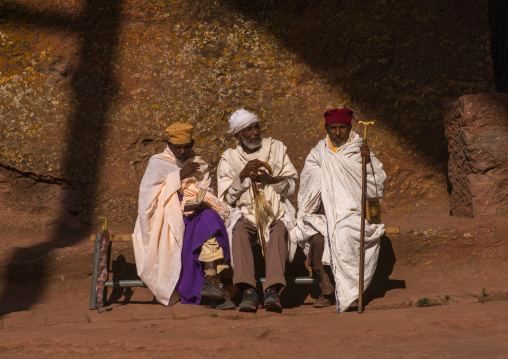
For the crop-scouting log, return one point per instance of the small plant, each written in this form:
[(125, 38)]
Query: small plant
[(423, 302), (483, 295), (214, 315), (447, 297)]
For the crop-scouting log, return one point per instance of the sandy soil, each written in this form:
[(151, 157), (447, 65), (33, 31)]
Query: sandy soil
[(459, 265)]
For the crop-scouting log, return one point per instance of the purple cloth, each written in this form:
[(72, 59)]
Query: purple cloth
[(198, 228)]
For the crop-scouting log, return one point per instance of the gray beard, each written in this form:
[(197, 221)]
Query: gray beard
[(338, 144), (180, 163), (249, 145)]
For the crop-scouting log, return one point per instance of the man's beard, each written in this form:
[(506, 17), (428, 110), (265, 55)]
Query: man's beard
[(251, 146), (181, 163), (338, 141)]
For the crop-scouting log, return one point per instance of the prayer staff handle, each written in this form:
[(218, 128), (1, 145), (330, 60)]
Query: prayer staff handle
[(365, 124), (362, 226)]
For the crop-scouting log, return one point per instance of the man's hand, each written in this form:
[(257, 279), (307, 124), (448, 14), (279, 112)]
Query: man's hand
[(251, 166), (264, 177), (188, 170), (365, 151)]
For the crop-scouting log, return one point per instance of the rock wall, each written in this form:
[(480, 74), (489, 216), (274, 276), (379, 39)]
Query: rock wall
[(87, 87), (477, 132)]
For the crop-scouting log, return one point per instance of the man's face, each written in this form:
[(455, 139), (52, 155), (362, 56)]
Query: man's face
[(181, 152), (250, 136), (338, 133)]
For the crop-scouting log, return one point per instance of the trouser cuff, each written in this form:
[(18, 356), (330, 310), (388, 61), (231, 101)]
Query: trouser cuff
[(274, 280), (243, 278)]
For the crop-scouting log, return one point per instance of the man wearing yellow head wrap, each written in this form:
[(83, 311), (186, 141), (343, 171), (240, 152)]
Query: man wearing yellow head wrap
[(174, 242)]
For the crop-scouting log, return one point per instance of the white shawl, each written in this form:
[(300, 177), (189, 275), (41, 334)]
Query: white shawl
[(238, 197), (159, 230), (334, 179)]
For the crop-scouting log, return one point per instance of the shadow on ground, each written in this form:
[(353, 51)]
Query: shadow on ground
[(381, 282)]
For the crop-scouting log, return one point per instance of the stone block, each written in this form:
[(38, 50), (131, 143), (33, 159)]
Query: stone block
[(477, 131)]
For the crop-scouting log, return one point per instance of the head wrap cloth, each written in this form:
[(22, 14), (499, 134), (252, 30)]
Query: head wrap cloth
[(241, 119), (343, 115), (180, 133)]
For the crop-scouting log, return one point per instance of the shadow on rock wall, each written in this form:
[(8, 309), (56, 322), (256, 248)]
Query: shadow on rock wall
[(93, 87), (397, 61)]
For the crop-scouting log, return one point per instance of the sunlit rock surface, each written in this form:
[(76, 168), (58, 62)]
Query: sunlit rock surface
[(87, 88)]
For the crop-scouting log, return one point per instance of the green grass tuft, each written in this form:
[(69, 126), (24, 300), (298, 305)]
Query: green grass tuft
[(423, 302)]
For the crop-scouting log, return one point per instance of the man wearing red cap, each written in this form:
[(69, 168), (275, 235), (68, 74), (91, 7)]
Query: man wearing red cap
[(329, 210)]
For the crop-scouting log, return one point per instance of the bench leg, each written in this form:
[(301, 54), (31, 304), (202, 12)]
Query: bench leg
[(95, 273), (105, 296)]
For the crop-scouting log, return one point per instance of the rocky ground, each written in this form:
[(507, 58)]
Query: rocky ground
[(441, 289)]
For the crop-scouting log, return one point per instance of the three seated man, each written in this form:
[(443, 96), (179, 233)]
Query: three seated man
[(181, 251)]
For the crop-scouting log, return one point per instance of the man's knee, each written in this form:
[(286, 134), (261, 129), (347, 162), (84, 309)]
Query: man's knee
[(278, 232), (317, 242), (243, 232), (211, 251)]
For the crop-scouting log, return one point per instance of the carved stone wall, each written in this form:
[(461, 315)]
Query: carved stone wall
[(477, 132)]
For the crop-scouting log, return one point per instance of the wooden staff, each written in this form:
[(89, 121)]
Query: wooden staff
[(362, 226)]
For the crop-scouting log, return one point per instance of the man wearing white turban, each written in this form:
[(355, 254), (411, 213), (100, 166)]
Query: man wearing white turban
[(239, 177), (241, 119)]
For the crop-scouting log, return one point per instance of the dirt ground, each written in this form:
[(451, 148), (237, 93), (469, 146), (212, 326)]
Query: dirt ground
[(458, 266)]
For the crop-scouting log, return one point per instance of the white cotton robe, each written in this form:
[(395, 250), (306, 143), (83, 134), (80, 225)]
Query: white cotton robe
[(238, 197), (335, 180), (159, 230)]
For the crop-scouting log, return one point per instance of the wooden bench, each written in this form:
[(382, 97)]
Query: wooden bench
[(128, 283)]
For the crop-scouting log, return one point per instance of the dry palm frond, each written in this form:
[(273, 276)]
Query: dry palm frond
[(263, 209)]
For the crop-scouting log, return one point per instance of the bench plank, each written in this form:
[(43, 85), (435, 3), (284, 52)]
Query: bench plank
[(392, 230), (127, 237)]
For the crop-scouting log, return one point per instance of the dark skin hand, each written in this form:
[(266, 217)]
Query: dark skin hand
[(188, 170), (182, 152), (252, 171), (365, 151), (264, 177), (251, 166)]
